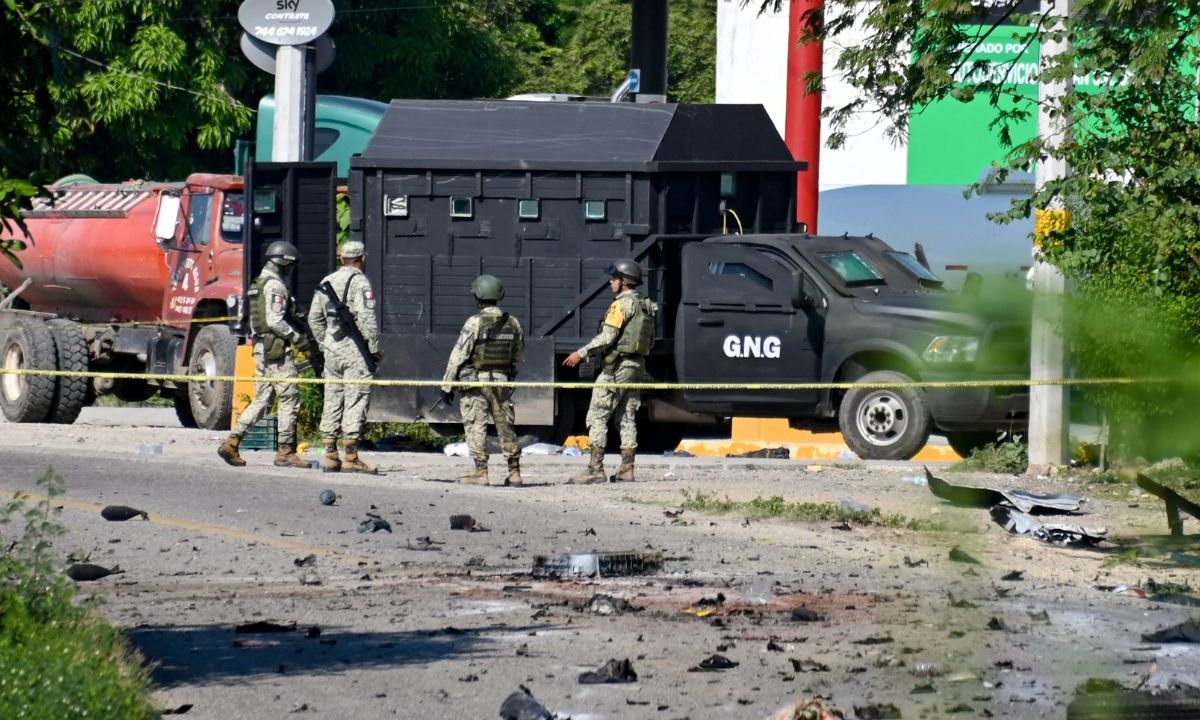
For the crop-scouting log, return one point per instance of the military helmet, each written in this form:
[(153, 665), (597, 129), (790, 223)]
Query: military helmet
[(627, 270), (488, 288), (282, 253)]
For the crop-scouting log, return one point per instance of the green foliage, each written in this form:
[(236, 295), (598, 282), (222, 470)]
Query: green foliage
[(1010, 456), (312, 400), (777, 507), (57, 659), (595, 57)]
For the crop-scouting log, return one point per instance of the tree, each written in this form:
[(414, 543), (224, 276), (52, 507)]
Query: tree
[(1133, 242), (595, 56)]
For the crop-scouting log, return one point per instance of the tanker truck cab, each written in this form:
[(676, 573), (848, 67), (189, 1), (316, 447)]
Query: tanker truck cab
[(203, 248), (806, 309)]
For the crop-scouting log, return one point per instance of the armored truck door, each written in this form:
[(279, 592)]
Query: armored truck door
[(737, 324)]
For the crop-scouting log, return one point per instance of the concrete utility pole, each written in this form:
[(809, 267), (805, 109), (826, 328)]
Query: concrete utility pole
[(288, 132), (1049, 434)]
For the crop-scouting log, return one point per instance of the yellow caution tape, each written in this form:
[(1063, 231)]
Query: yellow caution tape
[(460, 384)]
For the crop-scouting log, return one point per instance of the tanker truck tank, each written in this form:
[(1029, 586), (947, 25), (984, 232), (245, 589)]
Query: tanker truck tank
[(92, 255)]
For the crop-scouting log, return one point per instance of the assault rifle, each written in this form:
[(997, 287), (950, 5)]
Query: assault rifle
[(349, 324)]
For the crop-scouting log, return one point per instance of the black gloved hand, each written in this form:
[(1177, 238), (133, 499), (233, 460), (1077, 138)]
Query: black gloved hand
[(303, 344), (447, 396)]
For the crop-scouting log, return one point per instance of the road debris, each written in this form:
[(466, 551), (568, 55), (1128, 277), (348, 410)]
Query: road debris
[(1102, 699), (877, 711), (1185, 632), (803, 614), (1020, 523), (714, 663), (596, 564), (120, 513), (87, 572), (309, 560), (179, 709), (522, 705), (424, 544), (466, 522), (965, 496), (374, 523), (816, 708), (328, 497), (254, 643), (613, 671), (806, 665), (776, 453), (608, 605)]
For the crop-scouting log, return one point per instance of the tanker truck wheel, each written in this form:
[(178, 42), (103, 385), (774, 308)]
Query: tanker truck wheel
[(70, 393), (212, 355), (884, 423), (27, 345)]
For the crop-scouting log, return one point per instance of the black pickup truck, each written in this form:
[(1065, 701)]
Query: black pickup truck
[(545, 195)]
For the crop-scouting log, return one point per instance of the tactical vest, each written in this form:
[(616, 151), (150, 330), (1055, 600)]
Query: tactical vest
[(274, 347), (637, 334), (495, 343)]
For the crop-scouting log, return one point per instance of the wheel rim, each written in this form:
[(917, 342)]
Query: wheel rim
[(882, 418), (13, 385), (204, 364)]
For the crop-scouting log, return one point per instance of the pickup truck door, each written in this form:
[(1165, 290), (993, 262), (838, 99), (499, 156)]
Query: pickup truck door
[(189, 258), (737, 324)]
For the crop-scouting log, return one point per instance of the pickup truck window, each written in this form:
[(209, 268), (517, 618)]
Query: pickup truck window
[(744, 270), (927, 278), (233, 215), (852, 268)]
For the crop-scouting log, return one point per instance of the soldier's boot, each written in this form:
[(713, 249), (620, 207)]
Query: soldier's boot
[(286, 457), (595, 469), (477, 477), (514, 472), (331, 463), (229, 451), (625, 471), (353, 464)]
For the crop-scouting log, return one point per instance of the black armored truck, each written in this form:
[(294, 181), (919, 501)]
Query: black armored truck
[(545, 195)]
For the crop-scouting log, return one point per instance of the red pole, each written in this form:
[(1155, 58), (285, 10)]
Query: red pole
[(802, 128)]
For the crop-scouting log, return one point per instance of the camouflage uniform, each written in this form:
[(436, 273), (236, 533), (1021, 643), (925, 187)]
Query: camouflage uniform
[(623, 369), (278, 306), (345, 410), (476, 404)]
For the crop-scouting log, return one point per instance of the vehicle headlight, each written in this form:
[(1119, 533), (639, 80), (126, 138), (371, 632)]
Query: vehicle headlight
[(952, 349)]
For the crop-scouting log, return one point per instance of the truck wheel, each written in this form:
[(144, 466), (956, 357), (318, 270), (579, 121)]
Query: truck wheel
[(27, 345), (70, 393), (884, 423), (212, 355), (183, 407), (965, 443)]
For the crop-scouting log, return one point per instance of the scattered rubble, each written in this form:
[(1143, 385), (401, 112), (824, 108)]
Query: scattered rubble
[(120, 513), (613, 671), (522, 705), (87, 572)]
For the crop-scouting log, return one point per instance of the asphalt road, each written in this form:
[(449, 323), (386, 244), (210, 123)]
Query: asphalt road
[(429, 622)]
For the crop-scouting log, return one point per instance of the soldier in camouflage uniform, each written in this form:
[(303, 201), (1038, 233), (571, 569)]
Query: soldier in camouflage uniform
[(276, 335), (488, 349), (345, 410), (624, 340)]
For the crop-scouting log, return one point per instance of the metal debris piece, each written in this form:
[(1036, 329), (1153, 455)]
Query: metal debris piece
[(328, 497), (714, 663), (777, 453), (613, 671), (958, 555), (87, 572), (119, 513), (807, 665), (307, 561), (965, 496), (1185, 632), (877, 711), (1020, 523), (1174, 501), (597, 564), (522, 705), (374, 523), (803, 614)]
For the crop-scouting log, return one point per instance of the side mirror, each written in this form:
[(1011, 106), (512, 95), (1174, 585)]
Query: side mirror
[(166, 219), (802, 290)]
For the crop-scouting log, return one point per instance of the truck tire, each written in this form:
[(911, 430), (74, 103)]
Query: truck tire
[(27, 345), (70, 393), (965, 443), (884, 423), (212, 354), (183, 407)]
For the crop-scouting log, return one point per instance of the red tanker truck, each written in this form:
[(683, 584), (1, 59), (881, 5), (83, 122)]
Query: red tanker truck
[(134, 278)]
